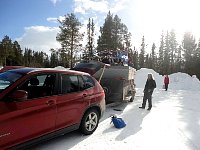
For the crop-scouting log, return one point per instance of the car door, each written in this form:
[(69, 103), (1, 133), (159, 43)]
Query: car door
[(89, 85), (72, 101), (27, 119)]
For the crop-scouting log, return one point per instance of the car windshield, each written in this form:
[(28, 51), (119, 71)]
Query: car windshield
[(8, 78)]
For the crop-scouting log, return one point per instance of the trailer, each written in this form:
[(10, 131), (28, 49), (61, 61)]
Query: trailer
[(117, 81)]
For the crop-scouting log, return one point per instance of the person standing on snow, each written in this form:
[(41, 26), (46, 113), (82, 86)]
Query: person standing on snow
[(166, 82), (148, 91)]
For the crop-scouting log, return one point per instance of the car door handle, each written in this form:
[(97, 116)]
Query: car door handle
[(50, 102)]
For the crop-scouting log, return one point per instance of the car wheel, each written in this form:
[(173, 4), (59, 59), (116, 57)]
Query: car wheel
[(89, 122)]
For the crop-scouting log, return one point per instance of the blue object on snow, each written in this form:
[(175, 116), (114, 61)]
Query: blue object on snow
[(118, 122)]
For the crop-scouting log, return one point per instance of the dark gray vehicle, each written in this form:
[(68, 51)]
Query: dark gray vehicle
[(117, 81)]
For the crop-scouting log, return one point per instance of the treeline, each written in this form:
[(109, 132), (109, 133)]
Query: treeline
[(171, 56), (166, 58), (12, 54)]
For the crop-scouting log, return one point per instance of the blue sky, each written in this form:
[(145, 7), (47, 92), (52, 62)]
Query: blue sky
[(33, 23), (17, 14)]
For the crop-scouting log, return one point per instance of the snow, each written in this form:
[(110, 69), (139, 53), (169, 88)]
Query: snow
[(61, 68), (178, 81), (172, 124), (182, 81)]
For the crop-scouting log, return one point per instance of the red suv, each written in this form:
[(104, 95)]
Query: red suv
[(37, 104)]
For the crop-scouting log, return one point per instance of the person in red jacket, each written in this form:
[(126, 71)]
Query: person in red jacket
[(166, 82)]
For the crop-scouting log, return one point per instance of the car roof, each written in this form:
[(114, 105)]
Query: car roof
[(6, 68), (27, 70)]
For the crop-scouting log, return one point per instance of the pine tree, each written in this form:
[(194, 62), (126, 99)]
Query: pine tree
[(166, 60), (152, 62), (196, 59), (53, 58), (90, 39), (105, 39), (172, 50), (25, 60), (147, 61), (6, 51), (197, 52), (127, 41), (189, 47), (70, 36), (161, 55), (178, 61), (18, 56), (142, 53), (46, 61), (31, 61), (130, 58), (114, 35), (64, 57), (28, 58), (135, 59)]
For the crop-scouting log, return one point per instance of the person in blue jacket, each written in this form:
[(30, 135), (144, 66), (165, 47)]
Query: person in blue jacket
[(148, 91)]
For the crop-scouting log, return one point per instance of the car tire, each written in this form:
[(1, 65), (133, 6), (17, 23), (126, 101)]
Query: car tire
[(89, 122)]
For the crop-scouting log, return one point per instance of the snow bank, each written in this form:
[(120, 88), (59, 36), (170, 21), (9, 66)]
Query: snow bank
[(183, 81), (178, 81), (141, 77)]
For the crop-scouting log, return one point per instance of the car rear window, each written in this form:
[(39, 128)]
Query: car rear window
[(70, 83), (88, 81)]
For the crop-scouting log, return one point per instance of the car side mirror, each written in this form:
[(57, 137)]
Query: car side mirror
[(19, 95)]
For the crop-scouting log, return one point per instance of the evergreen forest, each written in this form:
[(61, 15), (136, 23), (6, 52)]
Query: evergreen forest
[(167, 57)]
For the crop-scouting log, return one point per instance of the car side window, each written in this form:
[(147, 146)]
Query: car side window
[(70, 83), (88, 82), (39, 85)]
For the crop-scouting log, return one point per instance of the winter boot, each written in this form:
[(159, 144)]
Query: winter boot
[(142, 107)]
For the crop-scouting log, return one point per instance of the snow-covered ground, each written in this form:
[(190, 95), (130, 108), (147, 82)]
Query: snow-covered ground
[(172, 124)]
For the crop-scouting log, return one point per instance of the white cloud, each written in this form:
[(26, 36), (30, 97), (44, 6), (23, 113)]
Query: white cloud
[(101, 6), (54, 20), (81, 6), (39, 38), (118, 5), (55, 1)]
